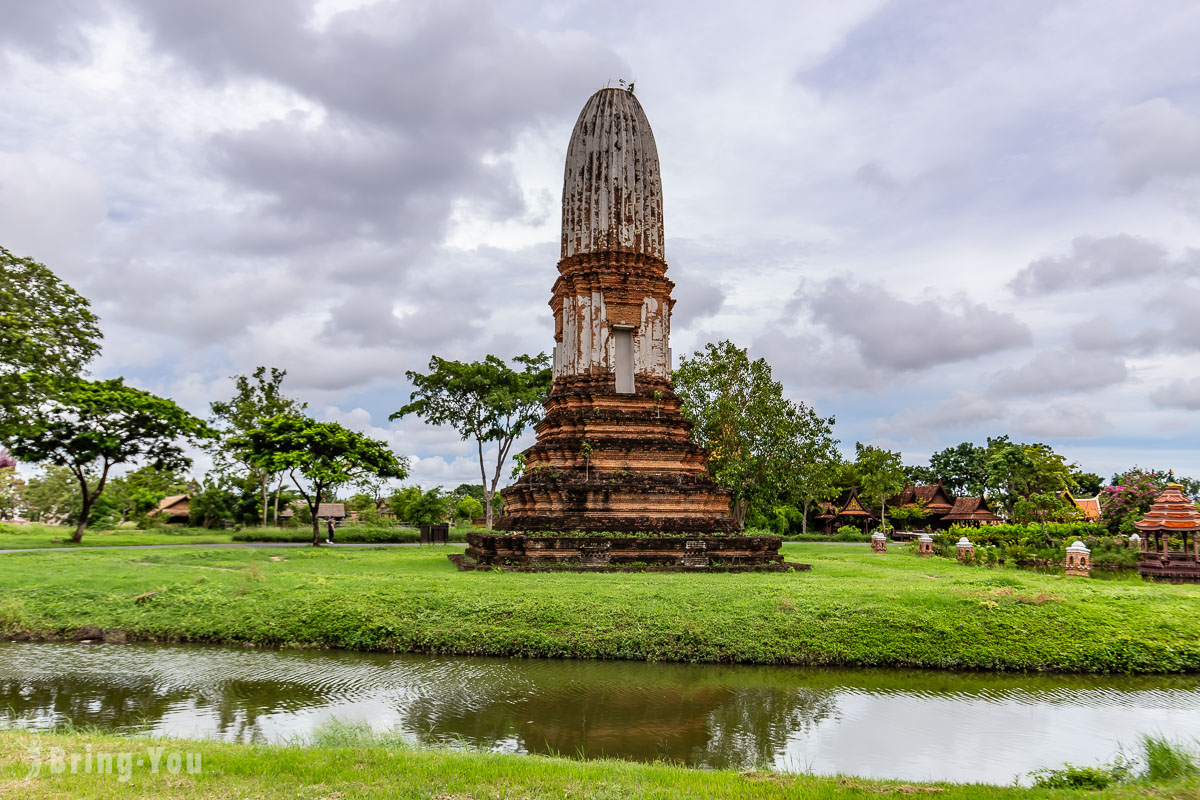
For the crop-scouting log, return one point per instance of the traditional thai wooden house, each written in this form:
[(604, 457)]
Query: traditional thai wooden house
[(971, 511), (176, 508), (1171, 515), (846, 510), (935, 499)]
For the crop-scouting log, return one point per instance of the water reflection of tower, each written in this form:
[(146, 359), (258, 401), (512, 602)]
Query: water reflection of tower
[(613, 452)]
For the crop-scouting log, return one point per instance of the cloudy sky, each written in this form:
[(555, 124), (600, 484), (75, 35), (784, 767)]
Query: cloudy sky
[(937, 221)]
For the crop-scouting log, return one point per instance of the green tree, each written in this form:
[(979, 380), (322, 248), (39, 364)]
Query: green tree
[(962, 469), (255, 397), (1044, 507), (487, 401), (467, 509), (92, 426), (756, 437), (401, 502), (53, 496), (140, 490), (214, 502), (48, 334), (431, 508), (814, 460), (324, 454), (920, 475), (880, 475), (1089, 483), (1017, 470)]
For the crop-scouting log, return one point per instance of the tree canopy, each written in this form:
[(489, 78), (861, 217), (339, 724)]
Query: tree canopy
[(962, 469), (256, 396), (324, 454), (48, 333), (761, 445), (91, 426), (487, 401), (880, 476)]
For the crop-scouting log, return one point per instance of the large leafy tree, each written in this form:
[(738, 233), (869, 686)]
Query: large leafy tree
[(48, 334), (255, 397), (317, 456), (91, 426), (880, 475), (761, 445), (962, 469), (1016, 471), (487, 401)]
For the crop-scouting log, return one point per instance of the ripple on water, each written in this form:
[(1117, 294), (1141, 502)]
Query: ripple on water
[(884, 723)]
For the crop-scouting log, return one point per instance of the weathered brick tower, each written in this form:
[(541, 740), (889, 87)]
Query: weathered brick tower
[(613, 452)]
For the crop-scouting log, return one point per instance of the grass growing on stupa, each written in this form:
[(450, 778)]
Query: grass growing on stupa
[(854, 608)]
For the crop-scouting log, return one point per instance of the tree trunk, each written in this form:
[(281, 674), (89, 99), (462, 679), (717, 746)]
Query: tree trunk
[(487, 496), (87, 509), (278, 489), (263, 483), (883, 516), (804, 519), (739, 512)]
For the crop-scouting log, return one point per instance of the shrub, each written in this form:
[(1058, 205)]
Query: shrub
[(1072, 777)]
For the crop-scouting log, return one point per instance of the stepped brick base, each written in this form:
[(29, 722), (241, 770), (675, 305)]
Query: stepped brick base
[(621, 553), (619, 463)]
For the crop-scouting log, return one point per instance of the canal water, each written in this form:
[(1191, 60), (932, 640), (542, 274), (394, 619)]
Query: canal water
[(910, 725)]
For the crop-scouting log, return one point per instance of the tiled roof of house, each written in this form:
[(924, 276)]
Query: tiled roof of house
[(335, 510), (970, 508), (1090, 506)]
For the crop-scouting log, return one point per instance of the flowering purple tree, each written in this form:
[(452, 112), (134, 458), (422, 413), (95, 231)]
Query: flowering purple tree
[(6, 461), (1128, 498)]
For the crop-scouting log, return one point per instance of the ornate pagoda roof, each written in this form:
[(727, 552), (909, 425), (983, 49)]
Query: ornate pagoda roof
[(612, 188), (849, 505), (1171, 512)]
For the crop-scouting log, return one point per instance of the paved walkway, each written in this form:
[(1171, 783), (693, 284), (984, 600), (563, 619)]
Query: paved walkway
[(228, 544)]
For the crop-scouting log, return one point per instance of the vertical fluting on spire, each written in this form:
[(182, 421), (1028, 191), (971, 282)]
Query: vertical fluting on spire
[(612, 188)]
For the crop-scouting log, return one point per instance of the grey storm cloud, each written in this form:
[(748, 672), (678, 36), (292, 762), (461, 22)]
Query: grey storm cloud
[(1061, 371), (1154, 139), (1179, 393), (48, 29), (1094, 262), (899, 335), (416, 97)]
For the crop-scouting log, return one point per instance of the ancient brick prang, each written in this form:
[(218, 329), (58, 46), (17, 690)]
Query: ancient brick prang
[(613, 452)]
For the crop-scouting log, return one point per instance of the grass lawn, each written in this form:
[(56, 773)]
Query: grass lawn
[(855, 607), (13, 537), (350, 770)]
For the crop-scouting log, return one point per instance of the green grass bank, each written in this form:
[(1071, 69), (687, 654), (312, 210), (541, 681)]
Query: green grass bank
[(351, 770), (854, 608)]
